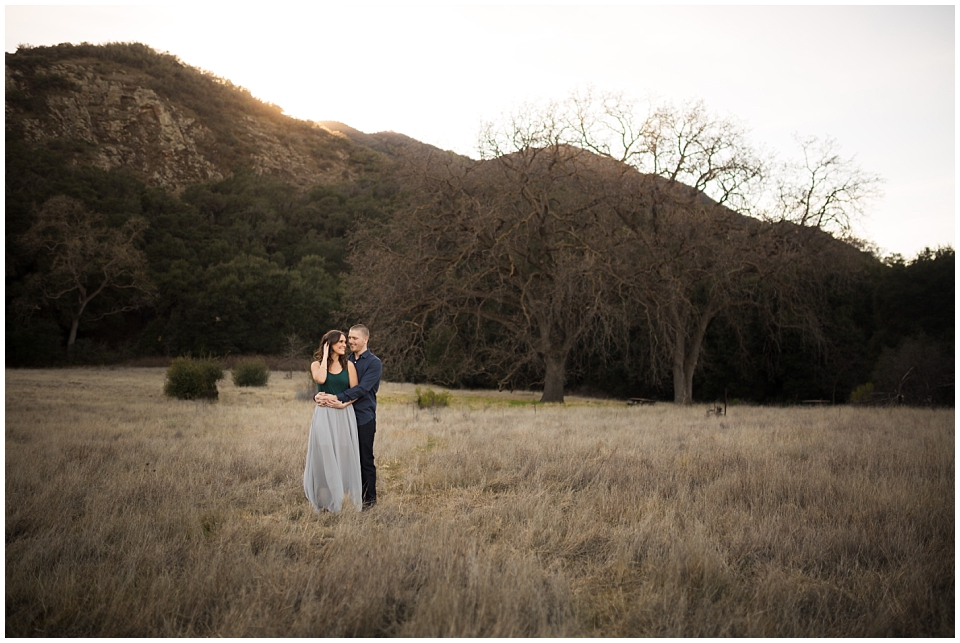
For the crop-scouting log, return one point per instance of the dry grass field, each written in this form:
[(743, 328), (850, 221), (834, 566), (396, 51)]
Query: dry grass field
[(132, 514)]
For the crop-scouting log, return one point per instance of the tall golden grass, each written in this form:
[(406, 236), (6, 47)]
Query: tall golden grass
[(132, 514)]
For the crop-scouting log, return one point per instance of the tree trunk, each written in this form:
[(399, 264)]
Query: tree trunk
[(682, 380), (554, 379), (84, 300), (73, 334), (686, 354)]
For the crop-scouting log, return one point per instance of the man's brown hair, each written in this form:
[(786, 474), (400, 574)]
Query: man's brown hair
[(360, 328)]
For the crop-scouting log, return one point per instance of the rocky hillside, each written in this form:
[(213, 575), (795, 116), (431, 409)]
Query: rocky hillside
[(127, 106)]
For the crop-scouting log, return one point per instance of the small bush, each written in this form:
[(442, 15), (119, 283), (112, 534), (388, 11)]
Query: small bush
[(430, 398), (863, 394), (193, 379), (251, 372)]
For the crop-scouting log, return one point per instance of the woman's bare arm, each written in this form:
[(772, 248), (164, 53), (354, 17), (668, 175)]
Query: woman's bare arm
[(319, 372), (319, 369)]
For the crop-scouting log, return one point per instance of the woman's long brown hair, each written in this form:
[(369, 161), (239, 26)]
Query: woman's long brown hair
[(331, 338)]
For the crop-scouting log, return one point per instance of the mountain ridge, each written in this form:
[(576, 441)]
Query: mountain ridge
[(124, 105)]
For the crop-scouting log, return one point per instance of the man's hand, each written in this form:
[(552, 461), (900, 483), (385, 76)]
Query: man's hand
[(325, 399)]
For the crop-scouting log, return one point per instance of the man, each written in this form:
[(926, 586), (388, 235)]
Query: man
[(369, 369)]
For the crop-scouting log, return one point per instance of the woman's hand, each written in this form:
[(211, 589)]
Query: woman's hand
[(326, 353)]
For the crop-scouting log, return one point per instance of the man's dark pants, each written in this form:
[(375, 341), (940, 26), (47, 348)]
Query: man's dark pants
[(368, 472)]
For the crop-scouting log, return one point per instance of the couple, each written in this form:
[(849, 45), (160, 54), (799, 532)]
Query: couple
[(340, 447)]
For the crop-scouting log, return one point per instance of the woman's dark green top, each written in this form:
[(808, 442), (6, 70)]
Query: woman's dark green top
[(335, 383)]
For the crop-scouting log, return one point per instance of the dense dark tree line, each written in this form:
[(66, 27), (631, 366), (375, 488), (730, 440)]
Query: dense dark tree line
[(232, 267), (915, 336)]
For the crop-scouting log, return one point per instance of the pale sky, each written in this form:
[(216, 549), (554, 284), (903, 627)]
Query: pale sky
[(879, 80)]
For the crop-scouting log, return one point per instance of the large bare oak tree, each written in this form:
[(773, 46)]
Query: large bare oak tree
[(505, 244)]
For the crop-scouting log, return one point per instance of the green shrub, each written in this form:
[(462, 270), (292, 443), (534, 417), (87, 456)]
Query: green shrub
[(193, 379), (430, 398), (863, 394), (251, 372)]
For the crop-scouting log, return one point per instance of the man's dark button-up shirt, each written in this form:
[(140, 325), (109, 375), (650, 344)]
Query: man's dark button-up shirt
[(369, 370)]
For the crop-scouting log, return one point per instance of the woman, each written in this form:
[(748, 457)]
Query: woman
[(333, 452)]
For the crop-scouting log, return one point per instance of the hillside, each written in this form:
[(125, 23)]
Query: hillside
[(171, 125), (244, 235)]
